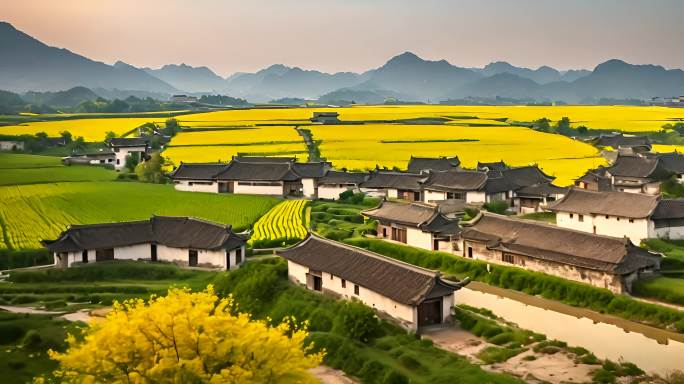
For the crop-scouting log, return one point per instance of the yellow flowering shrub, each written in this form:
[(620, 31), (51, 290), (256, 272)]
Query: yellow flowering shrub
[(186, 337)]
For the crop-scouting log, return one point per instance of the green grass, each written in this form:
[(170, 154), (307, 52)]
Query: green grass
[(341, 220), (548, 217), (18, 160), (672, 249), (29, 213), (667, 289), (491, 355), (56, 174)]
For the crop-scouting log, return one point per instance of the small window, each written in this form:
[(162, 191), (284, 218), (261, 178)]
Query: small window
[(238, 256), (607, 217), (617, 218), (332, 277), (506, 258), (84, 256), (631, 220), (344, 283), (580, 218), (356, 289), (470, 252), (572, 215)]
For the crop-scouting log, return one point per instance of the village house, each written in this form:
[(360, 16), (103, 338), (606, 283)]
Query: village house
[(326, 118), (275, 176), (104, 156), (620, 214), (11, 145), (413, 296), (595, 180), (123, 147), (535, 198), (185, 241), (183, 99), (455, 184), (334, 183), (620, 140), (394, 185), (601, 261), (423, 164), (493, 166), (416, 224)]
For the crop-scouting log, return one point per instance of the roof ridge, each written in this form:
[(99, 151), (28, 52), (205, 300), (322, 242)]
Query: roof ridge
[(375, 255)]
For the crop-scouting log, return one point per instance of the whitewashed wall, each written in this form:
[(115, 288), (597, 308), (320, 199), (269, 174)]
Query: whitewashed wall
[(184, 185), (417, 238), (475, 197), (331, 192), (430, 196), (309, 188), (272, 190), (614, 226)]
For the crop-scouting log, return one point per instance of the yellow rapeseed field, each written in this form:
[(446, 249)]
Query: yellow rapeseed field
[(362, 147), (223, 153), (90, 129), (668, 148)]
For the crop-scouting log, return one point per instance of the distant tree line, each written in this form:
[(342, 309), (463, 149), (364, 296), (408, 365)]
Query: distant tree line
[(222, 100)]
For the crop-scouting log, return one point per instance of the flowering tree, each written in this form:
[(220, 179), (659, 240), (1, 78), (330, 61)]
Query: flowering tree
[(186, 337)]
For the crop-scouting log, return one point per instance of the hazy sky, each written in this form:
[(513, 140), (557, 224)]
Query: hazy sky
[(356, 35)]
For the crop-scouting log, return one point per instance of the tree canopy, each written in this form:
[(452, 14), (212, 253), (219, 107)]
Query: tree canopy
[(186, 337)]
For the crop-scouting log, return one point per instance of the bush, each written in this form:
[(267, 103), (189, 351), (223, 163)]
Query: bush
[(357, 321), (10, 259), (604, 377), (372, 372), (320, 321), (10, 333), (394, 377), (496, 206), (32, 340)]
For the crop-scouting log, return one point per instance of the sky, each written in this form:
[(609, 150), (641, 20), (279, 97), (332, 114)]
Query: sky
[(356, 35)]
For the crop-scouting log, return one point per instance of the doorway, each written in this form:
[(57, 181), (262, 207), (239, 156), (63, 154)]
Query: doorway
[(192, 258), (153, 252), (430, 312)]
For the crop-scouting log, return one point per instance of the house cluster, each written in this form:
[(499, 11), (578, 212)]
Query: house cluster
[(635, 173), (115, 154), (429, 180)]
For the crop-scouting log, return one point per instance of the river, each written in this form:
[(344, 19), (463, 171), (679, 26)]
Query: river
[(654, 350)]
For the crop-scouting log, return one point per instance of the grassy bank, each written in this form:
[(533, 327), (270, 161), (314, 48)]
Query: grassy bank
[(533, 283), (356, 341), (669, 287), (340, 220)]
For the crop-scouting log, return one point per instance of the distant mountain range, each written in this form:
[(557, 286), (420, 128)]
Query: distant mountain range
[(29, 65)]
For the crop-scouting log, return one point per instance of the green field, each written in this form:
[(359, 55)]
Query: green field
[(29, 213), (34, 169), (18, 160)]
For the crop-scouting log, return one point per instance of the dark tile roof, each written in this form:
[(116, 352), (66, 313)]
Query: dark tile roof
[(442, 225), (401, 282), (197, 171), (398, 180), (597, 176), (311, 170), (638, 167), (264, 159), (669, 209), (494, 166), (340, 177), (526, 176), (413, 214), (499, 184), (127, 142), (565, 246), (541, 190), (419, 164), (237, 170), (623, 204), (176, 232), (621, 140), (456, 180), (673, 162)]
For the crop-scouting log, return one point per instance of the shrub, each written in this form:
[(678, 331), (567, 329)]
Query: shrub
[(496, 206), (410, 362), (372, 371), (604, 377), (357, 321), (10, 259), (10, 333), (320, 321), (394, 377), (31, 340), (491, 355)]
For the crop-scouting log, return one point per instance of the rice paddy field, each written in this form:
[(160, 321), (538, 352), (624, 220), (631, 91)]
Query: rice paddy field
[(284, 221)]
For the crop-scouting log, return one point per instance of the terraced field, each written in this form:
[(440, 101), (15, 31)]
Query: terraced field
[(285, 221)]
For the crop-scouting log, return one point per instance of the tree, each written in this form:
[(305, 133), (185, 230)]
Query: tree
[(150, 171), (542, 125), (78, 144), (186, 337), (41, 136), (66, 135), (172, 127), (110, 135), (132, 160)]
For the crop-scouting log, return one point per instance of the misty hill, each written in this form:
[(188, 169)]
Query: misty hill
[(188, 78), (27, 64), (278, 81), (541, 75), (69, 98)]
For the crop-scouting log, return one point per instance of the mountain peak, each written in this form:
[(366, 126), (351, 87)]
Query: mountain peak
[(405, 58)]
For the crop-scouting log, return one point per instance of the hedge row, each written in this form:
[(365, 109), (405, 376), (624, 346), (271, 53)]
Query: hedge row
[(533, 283), (10, 259)]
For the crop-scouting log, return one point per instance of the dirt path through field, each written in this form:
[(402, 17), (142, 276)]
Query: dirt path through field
[(327, 375)]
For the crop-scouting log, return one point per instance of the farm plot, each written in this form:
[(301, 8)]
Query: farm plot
[(284, 223), (365, 146), (30, 213), (90, 129), (221, 144), (33, 169)]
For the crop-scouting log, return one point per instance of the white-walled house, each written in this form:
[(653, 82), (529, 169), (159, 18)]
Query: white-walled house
[(272, 176), (122, 147), (535, 198), (185, 241), (416, 224), (601, 261), (394, 185), (637, 216), (455, 184), (334, 183), (413, 296)]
